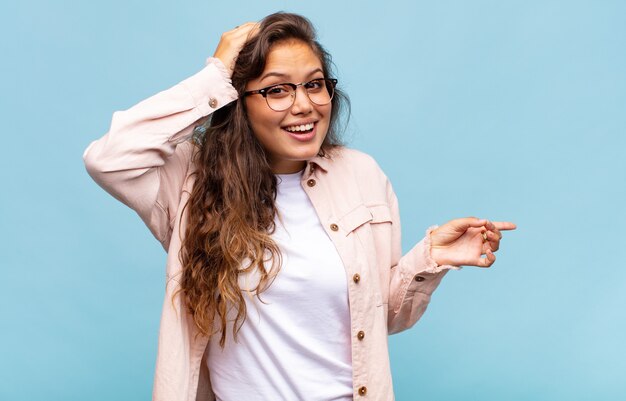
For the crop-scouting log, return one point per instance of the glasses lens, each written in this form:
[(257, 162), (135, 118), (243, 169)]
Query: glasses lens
[(280, 97), (320, 91)]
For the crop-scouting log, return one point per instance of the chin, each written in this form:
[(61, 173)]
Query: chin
[(308, 154)]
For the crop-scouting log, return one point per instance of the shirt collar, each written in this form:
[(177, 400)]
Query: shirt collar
[(321, 162)]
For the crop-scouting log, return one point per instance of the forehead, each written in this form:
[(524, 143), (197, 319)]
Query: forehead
[(291, 59)]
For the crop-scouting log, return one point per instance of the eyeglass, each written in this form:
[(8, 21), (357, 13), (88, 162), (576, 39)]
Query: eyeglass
[(280, 97)]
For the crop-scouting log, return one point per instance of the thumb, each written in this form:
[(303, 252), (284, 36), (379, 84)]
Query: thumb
[(464, 223)]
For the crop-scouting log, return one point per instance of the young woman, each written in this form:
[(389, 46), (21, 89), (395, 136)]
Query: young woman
[(284, 269)]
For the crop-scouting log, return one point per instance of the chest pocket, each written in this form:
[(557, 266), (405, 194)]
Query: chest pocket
[(363, 214)]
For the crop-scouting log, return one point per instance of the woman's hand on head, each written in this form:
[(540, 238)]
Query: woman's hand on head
[(463, 241), (231, 43)]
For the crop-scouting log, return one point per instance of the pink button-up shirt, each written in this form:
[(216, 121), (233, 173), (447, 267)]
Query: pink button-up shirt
[(145, 162)]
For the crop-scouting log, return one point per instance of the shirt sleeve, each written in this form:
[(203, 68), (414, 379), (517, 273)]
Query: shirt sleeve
[(414, 276), (144, 158)]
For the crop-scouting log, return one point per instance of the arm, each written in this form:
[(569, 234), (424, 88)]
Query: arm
[(414, 276), (144, 158), (459, 242)]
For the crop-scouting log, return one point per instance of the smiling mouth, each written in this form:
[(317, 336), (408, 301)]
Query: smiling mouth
[(303, 128)]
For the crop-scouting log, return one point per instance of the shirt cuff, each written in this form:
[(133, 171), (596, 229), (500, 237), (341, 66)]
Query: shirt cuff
[(208, 90), (211, 88)]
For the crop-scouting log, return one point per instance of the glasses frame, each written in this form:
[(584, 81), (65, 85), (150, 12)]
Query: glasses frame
[(330, 82)]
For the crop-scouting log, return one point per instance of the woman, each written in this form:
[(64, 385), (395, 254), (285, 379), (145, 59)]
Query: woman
[(284, 271)]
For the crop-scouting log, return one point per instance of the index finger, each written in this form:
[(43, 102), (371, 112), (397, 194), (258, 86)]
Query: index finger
[(254, 29), (504, 225), (249, 29)]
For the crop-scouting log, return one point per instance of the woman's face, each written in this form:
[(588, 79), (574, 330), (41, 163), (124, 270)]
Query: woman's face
[(280, 131)]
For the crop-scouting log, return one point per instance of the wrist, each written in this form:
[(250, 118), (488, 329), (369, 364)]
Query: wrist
[(432, 250), (437, 252), (433, 254), (437, 257)]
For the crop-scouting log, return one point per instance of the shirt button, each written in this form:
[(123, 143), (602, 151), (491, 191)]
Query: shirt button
[(311, 182), (334, 227), (356, 278), (213, 102), (362, 390), (419, 278), (360, 335)]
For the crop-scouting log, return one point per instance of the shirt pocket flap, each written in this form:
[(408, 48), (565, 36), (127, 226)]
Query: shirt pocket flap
[(355, 218), (380, 213)]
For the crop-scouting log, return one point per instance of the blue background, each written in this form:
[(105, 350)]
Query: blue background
[(510, 110)]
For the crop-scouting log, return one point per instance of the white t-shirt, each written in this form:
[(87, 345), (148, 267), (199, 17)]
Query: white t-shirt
[(296, 343)]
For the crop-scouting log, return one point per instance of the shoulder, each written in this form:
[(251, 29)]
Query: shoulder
[(353, 167), (352, 159)]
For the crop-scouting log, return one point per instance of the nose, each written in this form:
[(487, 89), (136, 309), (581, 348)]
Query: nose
[(301, 104)]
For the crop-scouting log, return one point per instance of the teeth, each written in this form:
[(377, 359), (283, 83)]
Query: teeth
[(298, 128)]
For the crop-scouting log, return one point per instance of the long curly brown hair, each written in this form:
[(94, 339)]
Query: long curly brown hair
[(232, 206)]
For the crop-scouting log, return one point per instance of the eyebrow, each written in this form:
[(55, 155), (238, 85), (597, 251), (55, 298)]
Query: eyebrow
[(281, 75)]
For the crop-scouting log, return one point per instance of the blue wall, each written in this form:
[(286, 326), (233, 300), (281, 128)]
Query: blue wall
[(510, 110)]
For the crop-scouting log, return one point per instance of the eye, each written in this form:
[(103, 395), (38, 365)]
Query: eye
[(315, 85), (278, 91)]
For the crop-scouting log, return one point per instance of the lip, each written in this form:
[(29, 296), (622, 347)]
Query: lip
[(302, 137)]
